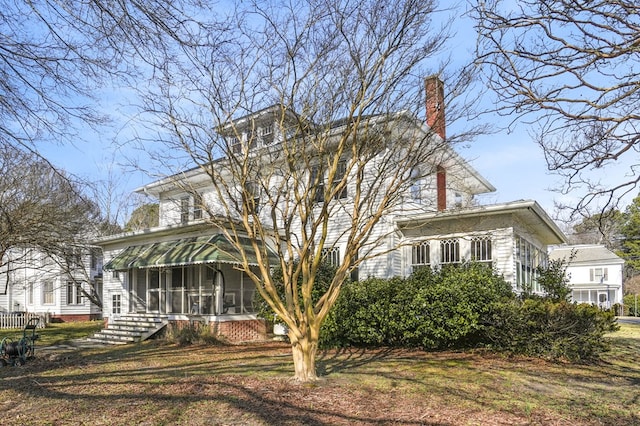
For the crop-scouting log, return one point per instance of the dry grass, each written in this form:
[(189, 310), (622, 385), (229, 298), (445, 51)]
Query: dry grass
[(155, 383)]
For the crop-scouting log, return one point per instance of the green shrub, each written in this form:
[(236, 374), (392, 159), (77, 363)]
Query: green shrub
[(550, 329), (430, 309), (629, 301)]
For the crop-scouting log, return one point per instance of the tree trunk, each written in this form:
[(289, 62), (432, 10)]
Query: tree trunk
[(304, 358)]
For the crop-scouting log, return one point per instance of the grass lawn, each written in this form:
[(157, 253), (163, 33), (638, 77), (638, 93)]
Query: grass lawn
[(156, 383)]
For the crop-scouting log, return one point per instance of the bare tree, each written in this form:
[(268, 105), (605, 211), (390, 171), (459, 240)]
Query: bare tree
[(571, 69), (55, 57), (56, 54), (303, 115), (40, 209)]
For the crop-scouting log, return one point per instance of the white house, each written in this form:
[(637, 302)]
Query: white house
[(595, 273), (34, 282), (184, 268)]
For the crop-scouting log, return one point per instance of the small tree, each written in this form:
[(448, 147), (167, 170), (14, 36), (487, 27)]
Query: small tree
[(553, 279), (340, 84)]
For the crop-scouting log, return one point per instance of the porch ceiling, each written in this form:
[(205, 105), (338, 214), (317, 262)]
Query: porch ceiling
[(184, 251)]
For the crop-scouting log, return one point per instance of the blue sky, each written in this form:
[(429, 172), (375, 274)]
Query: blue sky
[(512, 162)]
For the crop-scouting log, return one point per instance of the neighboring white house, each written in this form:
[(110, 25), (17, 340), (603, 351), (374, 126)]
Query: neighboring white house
[(595, 273), (184, 268), (33, 282)]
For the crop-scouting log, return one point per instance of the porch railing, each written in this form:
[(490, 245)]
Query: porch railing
[(20, 319)]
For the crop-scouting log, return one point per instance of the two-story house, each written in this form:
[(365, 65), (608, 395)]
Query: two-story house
[(186, 268), (54, 286), (595, 273)]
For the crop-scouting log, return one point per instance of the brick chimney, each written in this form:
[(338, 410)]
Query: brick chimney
[(441, 188), (434, 94)]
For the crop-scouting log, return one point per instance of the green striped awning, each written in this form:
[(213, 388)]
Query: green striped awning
[(123, 260), (185, 251)]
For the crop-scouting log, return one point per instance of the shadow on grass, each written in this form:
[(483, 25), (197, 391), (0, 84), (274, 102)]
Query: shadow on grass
[(246, 382), (158, 383)]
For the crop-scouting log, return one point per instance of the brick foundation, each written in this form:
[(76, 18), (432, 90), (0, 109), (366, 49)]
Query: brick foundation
[(242, 331), (75, 318), (235, 331)]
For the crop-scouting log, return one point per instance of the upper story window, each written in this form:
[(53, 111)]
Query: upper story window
[(416, 185), (197, 206), (94, 259), (481, 249), (252, 192), (191, 208), (341, 171), (450, 251), (266, 134), (184, 210), (420, 255), (236, 147), (598, 275), (316, 185)]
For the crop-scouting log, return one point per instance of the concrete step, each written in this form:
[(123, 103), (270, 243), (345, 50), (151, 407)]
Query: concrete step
[(107, 341), (129, 328), (128, 333)]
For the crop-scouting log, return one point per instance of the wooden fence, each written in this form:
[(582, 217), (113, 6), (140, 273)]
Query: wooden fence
[(19, 320)]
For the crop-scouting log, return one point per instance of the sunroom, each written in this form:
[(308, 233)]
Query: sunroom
[(190, 276)]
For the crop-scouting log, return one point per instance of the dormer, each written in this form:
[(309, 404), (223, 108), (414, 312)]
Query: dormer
[(267, 127)]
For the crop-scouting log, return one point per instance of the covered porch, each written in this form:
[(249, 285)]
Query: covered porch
[(185, 279)]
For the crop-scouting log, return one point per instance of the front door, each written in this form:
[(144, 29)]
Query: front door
[(157, 291), (139, 291), (603, 299)]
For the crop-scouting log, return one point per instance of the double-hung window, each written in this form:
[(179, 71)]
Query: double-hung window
[(341, 171), (316, 184), (48, 295), (184, 210), (74, 293), (197, 206), (252, 193), (266, 134), (598, 275)]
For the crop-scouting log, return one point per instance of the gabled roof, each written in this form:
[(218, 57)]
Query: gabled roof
[(585, 254)]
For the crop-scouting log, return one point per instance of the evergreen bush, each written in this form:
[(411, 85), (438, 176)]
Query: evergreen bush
[(430, 309)]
